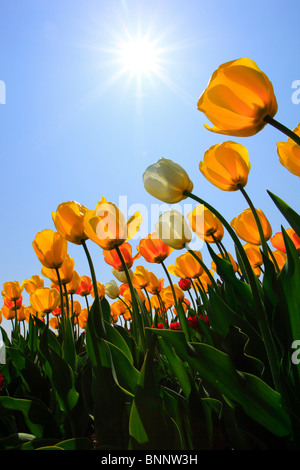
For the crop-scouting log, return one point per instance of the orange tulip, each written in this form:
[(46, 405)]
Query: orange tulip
[(246, 228), (65, 271), (82, 318), (254, 255), (44, 300), (167, 294), (12, 290), (153, 249), (238, 98), (226, 166), (205, 224), (85, 286), (107, 227), (30, 285), (186, 266), (155, 285), (73, 285), (112, 258), (278, 241), (68, 221), (101, 290), (289, 154), (234, 264), (50, 248)]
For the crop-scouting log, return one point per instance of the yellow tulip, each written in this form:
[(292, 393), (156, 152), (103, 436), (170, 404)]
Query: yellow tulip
[(44, 300), (54, 323), (65, 271), (254, 255), (155, 285), (173, 229), (12, 290), (73, 285), (68, 221), (107, 227), (205, 224), (166, 181), (246, 228), (30, 285), (186, 266), (289, 154), (226, 166), (141, 277), (167, 295), (50, 248), (238, 98)]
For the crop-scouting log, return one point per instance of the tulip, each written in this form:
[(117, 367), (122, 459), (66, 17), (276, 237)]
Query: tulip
[(186, 266), (205, 224), (153, 249), (101, 290), (280, 258), (7, 313), (121, 275), (107, 227), (168, 294), (173, 229), (73, 285), (166, 181), (203, 281), (112, 290), (238, 98), (54, 323), (184, 284), (112, 258), (85, 286), (30, 285), (65, 271), (246, 228), (50, 248), (289, 154), (155, 285), (13, 304), (12, 290), (278, 241), (44, 300), (82, 318), (68, 221), (254, 255), (118, 308), (226, 166), (141, 277)]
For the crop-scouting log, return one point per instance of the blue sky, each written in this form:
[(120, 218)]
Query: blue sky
[(74, 128)]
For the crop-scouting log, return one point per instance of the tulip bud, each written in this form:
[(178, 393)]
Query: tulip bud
[(173, 229), (166, 181), (112, 290)]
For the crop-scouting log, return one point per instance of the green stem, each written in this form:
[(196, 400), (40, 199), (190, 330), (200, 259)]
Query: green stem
[(285, 130), (136, 317), (261, 313), (62, 309), (95, 286), (257, 221), (170, 282)]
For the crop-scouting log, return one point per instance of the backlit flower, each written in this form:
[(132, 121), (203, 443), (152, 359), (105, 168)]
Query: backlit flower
[(254, 255), (85, 286), (226, 166), (30, 285), (185, 284), (50, 248), (246, 228), (173, 229), (289, 154), (107, 227), (155, 285), (238, 98), (112, 290), (153, 249), (44, 300), (166, 181), (112, 258), (12, 290), (68, 221), (65, 271), (278, 241), (186, 266), (205, 224), (141, 277)]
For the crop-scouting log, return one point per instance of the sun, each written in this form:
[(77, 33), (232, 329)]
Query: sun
[(139, 56)]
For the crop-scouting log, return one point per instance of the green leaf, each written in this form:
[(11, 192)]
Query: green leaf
[(290, 214), (36, 415), (259, 401)]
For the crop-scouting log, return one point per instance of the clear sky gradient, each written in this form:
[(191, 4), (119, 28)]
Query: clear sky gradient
[(76, 126)]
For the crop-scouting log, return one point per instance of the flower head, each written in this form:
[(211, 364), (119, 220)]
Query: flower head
[(246, 228), (85, 286), (107, 227), (205, 224), (153, 249), (44, 300), (112, 258), (50, 248), (167, 181), (238, 98), (278, 241), (226, 166), (68, 220), (173, 229), (289, 154), (186, 266), (12, 290)]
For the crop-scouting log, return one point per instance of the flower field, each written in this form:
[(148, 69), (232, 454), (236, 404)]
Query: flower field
[(206, 363)]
